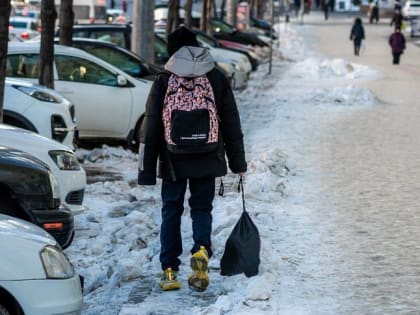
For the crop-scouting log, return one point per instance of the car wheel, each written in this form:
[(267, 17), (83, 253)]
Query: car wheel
[(68, 243), (17, 123), (8, 206), (4, 311)]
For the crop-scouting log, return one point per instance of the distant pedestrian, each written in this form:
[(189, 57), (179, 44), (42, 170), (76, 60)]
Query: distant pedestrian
[(326, 8), (112, 4), (397, 43), (124, 6), (397, 19), (374, 12), (357, 35)]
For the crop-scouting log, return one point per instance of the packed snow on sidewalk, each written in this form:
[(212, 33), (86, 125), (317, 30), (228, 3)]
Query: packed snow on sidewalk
[(117, 245)]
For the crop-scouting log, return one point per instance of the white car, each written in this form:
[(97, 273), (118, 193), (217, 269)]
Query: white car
[(61, 160), (241, 64), (41, 110), (36, 278), (411, 9), (24, 27), (109, 102)]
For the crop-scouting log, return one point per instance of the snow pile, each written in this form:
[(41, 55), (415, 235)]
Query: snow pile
[(316, 68)]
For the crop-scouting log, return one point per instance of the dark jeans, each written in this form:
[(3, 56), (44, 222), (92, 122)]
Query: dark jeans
[(202, 195), (396, 58)]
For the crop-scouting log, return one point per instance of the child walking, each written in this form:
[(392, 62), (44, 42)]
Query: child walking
[(357, 34)]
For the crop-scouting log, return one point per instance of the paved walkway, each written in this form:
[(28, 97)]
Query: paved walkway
[(400, 84)]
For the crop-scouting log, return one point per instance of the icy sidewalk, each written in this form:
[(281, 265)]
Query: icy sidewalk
[(117, 241)]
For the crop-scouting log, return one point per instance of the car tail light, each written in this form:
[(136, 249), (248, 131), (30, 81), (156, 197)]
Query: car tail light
[(53, 226), (58, 128), (25, 35)]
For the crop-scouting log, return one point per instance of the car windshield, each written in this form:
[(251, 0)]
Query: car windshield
[(117, 58)]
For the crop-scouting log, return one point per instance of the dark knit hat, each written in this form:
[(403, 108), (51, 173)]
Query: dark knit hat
[(182, 36)]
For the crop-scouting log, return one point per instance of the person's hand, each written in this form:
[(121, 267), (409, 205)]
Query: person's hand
[(242, 174)]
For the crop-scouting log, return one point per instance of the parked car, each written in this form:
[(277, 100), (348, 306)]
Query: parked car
[(241, 65), (109, 103), (119, 57), (119, 34), (24, 27), (30, 191), (36, 278), (411, 9), (39, 109), (223, 30), (60, 159)]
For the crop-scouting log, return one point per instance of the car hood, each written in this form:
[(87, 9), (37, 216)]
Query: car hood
[(13, 228), (27, 141)]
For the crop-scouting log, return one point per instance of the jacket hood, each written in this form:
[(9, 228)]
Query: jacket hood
[(190, 62)]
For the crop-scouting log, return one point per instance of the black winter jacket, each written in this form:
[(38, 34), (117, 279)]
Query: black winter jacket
[(176, 166)]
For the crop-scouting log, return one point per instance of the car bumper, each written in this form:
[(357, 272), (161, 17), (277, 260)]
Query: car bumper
[(59, 223), (47, 296), (72, 185)]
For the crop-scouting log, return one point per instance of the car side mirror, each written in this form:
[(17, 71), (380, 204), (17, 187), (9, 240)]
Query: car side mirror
[(121, 80)]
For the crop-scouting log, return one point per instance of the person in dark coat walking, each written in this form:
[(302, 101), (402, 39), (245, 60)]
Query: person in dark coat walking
[(397, 19), (397, 43), (357, 34), (198, 170), (374, 12)]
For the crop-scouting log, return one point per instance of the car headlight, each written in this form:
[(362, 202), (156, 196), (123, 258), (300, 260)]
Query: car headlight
[(54, 186), (39, 94), (65, 161), (56, 264)]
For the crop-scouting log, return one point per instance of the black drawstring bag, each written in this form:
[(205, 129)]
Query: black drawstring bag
[(242, 249)]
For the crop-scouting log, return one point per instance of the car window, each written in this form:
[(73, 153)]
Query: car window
[(117, 58), (161, 53), (22, 65), (76, 69), (34, 26), (108, 36), (18, 24)]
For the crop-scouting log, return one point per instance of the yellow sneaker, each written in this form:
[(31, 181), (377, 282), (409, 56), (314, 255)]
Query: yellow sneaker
[(169, 280), (199, 279)]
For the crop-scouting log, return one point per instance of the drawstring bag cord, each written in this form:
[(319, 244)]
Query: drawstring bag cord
[(241, 189)]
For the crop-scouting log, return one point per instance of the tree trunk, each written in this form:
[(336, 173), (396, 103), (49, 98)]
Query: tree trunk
[(187, 13), (203, 20), (172, 22), (222, 14), (210, 14), (260, 9), (46, 56), (5, 8), (142, 34), (231, 12), (252, 8), (66, 22)]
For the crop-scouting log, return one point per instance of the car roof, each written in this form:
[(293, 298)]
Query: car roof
[(100, 26)]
